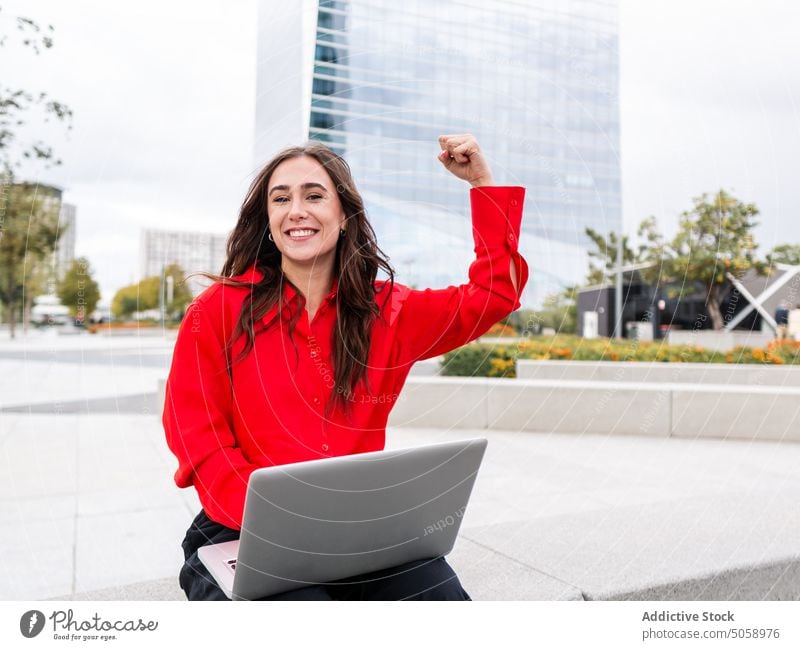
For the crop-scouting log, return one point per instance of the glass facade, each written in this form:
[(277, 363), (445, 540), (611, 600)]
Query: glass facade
[(536, 82)]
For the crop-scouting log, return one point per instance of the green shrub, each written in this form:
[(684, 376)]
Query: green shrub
[(486, 360), (480, 360)]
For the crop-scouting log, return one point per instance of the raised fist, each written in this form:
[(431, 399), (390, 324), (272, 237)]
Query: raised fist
[(462, 157)]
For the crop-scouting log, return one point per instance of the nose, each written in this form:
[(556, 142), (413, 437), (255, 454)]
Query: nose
[(296, 210)]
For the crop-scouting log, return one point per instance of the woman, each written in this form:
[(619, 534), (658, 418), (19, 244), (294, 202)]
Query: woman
[(298, 353)]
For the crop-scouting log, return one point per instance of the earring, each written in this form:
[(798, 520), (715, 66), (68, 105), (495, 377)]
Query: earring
[(269, 236), (342, 233)]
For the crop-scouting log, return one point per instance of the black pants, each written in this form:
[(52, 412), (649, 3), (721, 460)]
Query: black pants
[(423, 580)]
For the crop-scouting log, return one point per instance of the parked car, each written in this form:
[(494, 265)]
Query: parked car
[(47, 311)]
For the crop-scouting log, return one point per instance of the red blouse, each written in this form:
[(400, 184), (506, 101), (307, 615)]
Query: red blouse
[(270, 410)]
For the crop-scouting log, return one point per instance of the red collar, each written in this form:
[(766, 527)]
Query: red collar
[(290, 293), (254, 275)]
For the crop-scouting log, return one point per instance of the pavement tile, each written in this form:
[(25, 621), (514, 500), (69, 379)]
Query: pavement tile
[(23, 381), (646, 548), (487, 575), (129, 547), (16, 511), (164, 589), (37, 456), (158, 495), (36, 558)]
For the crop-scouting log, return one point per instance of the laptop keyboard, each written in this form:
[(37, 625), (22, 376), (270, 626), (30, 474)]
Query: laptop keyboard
[(231, 564)]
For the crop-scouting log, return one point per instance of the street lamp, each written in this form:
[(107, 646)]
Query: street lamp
[(618, 292)]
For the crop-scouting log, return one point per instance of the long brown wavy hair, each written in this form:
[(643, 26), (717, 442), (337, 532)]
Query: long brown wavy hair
[(356, 265)]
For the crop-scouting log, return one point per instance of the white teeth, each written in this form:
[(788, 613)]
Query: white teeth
[(301, 233)]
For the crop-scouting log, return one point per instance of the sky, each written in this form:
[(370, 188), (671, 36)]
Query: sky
[(164, 99)]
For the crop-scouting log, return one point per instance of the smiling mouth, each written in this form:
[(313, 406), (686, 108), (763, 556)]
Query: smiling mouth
[(301, 233)]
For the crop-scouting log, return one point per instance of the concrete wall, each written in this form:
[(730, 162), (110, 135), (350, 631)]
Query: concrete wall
[(649, 408), (719, 340), (613, 408), (633, 371), (736, 412)]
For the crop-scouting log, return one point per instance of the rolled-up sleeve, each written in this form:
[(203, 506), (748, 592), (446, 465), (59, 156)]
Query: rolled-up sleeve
[(198, 423), (434, 321)]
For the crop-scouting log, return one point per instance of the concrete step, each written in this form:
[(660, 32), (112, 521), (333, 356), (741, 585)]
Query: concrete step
[(654, 372), (484, 574), (604, 407)]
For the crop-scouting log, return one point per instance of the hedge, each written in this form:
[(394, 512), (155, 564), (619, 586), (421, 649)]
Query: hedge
[(487, 360)]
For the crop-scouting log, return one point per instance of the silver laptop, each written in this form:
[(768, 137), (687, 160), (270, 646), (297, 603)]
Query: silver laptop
[(323, 520)]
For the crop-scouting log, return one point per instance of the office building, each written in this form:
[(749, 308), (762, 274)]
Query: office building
[(65, 247), (378, 81), (193, 251)]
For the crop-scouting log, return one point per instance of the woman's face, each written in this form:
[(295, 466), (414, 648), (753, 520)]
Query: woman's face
[(305, 213)]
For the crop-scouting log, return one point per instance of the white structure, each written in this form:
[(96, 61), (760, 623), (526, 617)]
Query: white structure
[(194, 251), (378, 81), (765, 293), (48, 310), (65, 247)]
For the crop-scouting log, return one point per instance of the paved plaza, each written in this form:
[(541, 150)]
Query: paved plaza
[(88, 506)]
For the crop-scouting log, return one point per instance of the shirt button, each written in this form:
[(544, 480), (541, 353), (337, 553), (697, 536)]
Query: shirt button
[(511, 237), (324, 447), (316, 400), (514, 203)]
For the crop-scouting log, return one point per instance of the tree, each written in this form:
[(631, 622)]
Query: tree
[(29, 219), (146, 294), (603, 260), (559, 311), (136, 297), (714, 239), (36, 280), (16, 103), (78, 290), (125, 301), (714, 242), (784, 254), (181, 295)]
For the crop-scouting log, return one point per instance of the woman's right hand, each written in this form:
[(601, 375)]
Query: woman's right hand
[(462, 157)]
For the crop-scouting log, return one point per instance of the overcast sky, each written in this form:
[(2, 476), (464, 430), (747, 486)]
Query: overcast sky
[(164, 97)]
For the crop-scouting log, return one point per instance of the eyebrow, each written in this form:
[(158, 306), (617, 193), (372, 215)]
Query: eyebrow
[(304, 186)]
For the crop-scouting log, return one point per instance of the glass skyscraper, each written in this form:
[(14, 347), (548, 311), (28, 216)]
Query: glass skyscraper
[(379, 81)]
